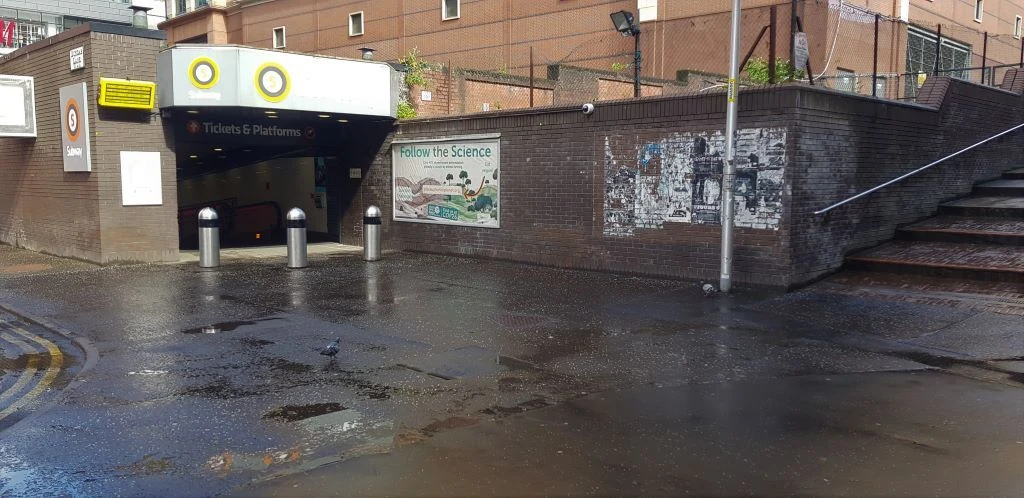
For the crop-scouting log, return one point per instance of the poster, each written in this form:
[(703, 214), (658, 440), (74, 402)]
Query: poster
[(452, 181), (140, 179)]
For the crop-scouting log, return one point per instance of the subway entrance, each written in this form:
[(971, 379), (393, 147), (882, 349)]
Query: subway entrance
[(253, 165), (259, 132)]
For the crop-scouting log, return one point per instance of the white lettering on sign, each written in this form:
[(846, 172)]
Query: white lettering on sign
[(77, 58), (257, 130), (74, 151)]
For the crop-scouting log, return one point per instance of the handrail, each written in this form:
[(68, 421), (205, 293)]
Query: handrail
[(918, 170)]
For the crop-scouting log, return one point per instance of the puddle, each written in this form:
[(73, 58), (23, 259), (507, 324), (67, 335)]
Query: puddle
[(293, 413), (525, 406), (148, 465), (21, 362), (947, 363), (218, 390), (217, 328), (450, 423)]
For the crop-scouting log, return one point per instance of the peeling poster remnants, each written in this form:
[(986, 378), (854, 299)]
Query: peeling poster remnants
[(678, 178)]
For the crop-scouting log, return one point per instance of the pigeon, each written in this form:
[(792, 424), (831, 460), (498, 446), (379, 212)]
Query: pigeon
[(709, 290), (331, 349)]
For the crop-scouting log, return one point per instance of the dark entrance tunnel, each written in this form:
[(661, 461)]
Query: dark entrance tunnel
[(253, 165)]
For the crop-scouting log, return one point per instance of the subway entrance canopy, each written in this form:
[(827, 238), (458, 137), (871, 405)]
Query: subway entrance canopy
[(205, 76), (230, 105)]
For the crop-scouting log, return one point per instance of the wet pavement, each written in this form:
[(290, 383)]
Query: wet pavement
[(476, 374)]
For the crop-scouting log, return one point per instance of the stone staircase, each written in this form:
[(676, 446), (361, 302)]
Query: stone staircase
[(979, 237)]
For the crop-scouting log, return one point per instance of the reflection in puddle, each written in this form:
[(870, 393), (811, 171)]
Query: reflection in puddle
[(292, 413), (224, 326)]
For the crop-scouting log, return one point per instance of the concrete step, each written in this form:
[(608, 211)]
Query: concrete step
[(1014, 174), (1008, 188), (1000, 263), (976, 230), (989, 206)]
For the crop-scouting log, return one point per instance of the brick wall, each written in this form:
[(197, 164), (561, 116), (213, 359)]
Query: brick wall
[(847, 144), (80, 215), (555, 179)]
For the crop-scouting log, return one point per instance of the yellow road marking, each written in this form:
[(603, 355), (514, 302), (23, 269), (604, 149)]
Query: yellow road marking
[(27, 374), (56, 360)]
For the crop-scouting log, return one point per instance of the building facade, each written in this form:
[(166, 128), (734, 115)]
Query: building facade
[(679, 38), (23, 22)]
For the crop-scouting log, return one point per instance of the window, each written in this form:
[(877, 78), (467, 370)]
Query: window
[(449, 9), (1016, 27), (279, 37), (954, 57), (647, 10), (979, 9), (355, 24), (846, 80)]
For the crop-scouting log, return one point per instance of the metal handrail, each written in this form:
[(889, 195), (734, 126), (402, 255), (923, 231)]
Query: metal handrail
[(918, 170)]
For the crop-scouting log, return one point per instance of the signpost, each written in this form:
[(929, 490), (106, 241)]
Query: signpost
[(800, 51)]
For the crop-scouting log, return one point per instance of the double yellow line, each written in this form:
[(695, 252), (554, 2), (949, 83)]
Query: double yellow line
[(56, 361)]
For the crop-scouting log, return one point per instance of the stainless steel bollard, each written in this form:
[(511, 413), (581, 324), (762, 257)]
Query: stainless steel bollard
[(371, 234), (209, 238), (296, 226)]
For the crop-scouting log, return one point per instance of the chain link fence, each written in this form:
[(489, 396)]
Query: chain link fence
[(534, 62)]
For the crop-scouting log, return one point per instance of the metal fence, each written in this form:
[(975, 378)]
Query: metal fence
[(850, 49)]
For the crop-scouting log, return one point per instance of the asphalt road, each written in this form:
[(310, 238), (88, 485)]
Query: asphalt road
[(209, 382)]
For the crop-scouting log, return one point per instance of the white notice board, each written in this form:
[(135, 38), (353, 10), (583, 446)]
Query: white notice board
[(140, 179)]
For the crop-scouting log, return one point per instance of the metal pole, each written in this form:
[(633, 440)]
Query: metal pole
[(209, 238), (750, 53), (296, 226), (531, 75), (984, 57), (636, 63), (729, 168), (773, 21), (874, 67), (792, 37), (1022, 52), (371, 234), (938, 45)]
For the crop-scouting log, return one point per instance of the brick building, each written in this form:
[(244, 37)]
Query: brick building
[(679, 38), (23, 22)]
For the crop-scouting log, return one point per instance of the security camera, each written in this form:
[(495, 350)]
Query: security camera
[(588, 109)]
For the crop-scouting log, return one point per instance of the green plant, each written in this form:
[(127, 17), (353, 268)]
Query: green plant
[(406, 110), (757, 71), (416, 68), (619, 67)]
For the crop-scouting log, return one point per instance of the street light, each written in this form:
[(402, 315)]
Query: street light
[(623, 21)]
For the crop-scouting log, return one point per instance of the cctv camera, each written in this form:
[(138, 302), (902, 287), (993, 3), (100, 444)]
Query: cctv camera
[(588, 109)]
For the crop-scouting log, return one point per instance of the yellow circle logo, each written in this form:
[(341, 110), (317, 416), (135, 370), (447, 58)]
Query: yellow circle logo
[(272, 82), (203, 73)]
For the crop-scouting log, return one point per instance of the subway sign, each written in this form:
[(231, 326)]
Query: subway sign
[(257, 131)]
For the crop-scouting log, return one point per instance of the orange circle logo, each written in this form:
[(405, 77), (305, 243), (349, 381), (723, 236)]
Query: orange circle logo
[(73, 120)]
